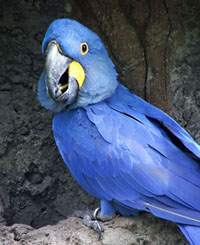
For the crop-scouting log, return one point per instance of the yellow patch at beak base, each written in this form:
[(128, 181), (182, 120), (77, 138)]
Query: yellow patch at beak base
[(76, 71)]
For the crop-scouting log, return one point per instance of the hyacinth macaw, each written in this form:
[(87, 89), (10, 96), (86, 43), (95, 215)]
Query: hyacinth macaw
[(119, 148)]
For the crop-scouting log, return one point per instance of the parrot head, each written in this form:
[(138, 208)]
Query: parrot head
[(78, 70)]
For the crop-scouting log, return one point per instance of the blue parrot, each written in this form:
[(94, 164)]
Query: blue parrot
[(118, 147)]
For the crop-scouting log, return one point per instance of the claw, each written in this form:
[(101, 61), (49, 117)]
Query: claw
[(99, 230), (94, 224), (96, 211), (90, 219)]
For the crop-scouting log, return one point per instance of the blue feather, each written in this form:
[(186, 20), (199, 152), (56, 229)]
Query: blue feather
[(118, 147), (138, 166)]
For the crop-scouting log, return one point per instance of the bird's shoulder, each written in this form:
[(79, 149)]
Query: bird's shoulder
[(130, 104)]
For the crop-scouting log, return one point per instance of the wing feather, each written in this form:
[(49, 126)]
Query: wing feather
[(123, 150)]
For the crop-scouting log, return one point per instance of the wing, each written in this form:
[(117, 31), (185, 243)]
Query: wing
[(117, 153), (131, 104)]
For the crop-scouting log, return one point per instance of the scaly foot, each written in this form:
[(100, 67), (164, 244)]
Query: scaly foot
[(90, 219)]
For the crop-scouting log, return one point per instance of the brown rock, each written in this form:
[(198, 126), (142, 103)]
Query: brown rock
[(120, 231)]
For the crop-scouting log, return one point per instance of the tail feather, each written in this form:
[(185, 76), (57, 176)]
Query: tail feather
[(192, 233), (184, 216)]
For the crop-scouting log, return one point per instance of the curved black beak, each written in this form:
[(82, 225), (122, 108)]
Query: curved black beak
[(61, 75)]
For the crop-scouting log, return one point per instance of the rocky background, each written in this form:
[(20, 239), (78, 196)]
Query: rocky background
[(156, 48)]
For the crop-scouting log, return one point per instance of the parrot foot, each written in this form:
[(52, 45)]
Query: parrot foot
[(98, 216), (94, 224), (90, 221)]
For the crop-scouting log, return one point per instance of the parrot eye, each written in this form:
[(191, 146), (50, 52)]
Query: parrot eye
[(84, 48)]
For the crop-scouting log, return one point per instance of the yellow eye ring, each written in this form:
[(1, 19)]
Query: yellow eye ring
[(84, 48)]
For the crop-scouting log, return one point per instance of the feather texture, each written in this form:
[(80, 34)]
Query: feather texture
[(117, 153), (118, 147)]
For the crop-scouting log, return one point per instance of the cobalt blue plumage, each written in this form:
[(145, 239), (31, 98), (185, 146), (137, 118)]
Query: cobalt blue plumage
[(119, 148)]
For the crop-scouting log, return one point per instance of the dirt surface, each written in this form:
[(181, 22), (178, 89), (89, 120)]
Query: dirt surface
[(120, 231), (156, 48)]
